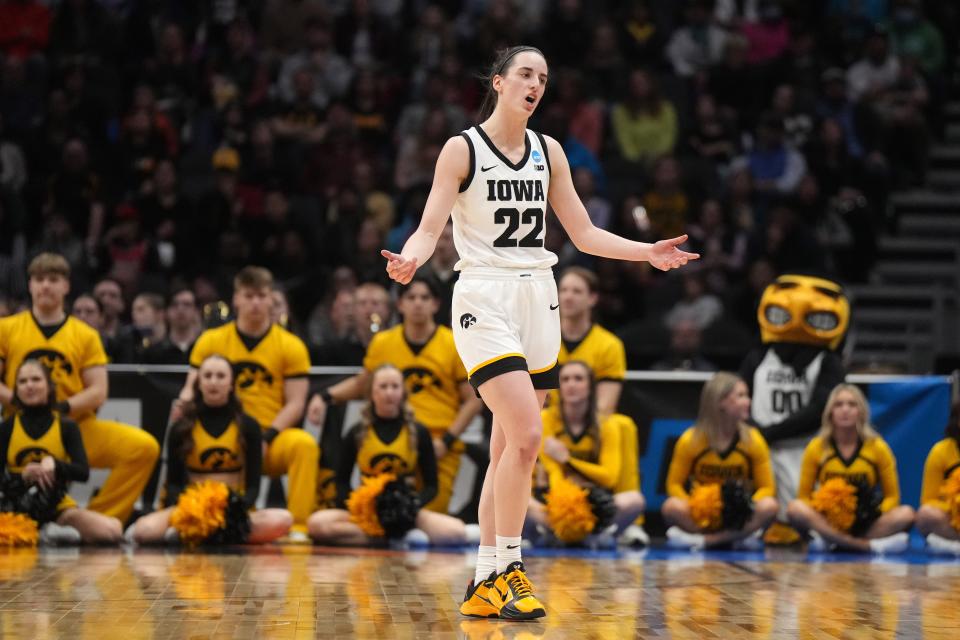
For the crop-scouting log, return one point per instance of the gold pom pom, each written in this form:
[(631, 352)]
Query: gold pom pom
[(362, 504), (950, 493), (836, 500), (200, 511), (569, 512), (706, 506), (17, 530)]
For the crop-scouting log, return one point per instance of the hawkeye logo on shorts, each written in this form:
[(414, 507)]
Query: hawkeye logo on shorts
[(388, 463), (58, 366), (219, 459), (467, 320), (251, 376), (417, 379), (537, 160), (30, 454)]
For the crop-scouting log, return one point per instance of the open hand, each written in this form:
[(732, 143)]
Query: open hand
[(556, 450), (666, 255), (316, 410), (399, 268)]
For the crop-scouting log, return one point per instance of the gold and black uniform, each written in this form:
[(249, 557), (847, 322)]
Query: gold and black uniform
[(694, 461), (872, 463), (602, 351), (598, 462), (432, 375), (261, 366), (35, 433), (942, 461), (68, 349), (385, 447), (214, 445)]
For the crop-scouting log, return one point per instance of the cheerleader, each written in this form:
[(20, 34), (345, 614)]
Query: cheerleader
[(386, 441), (45, 448), (213, 441), (720, 450), (862, 513), (939, 516), (580, 447)]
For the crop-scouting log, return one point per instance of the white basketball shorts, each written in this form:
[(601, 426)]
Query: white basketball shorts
[(507, 320)]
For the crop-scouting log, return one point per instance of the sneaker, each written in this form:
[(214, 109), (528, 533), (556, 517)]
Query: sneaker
[(634, 536), (295, 537), (516, 592), (897, 543), (472, 534), (602, 540), (818, 544), (677, 538), (416, 538), (58, 535), (482, 600), (941, 545), (753, 542)]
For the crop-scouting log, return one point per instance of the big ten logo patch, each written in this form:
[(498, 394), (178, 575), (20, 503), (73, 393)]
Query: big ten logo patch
[(417, 379), (251, 376), (59, 367)]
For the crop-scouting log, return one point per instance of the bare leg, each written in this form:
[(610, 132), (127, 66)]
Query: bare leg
[(94, 528), (486, 516), (516, 405), (677, 512), (804, 517), (894, 521), (933, 520), (269, 524), (441, 528), (630, 504), (149, 529), (333, 526)]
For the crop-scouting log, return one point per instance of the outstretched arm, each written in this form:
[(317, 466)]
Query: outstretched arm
[(452, 168), (587, 237)]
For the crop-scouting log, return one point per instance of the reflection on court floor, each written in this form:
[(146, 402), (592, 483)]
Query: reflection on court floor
[(296, 592)]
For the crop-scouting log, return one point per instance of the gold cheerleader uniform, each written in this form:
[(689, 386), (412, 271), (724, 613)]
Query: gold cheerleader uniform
[(32, 435), (597, 462), (871, 463), (694, 461), (386, 447), (217, 448), (942, 461)]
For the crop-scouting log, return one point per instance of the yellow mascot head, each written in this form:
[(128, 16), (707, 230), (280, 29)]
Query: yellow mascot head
[(804, 309)]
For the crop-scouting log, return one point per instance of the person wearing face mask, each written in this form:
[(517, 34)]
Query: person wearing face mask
[(213, 441), (718, 449), (386, 441), (45, 448), (848, 448)]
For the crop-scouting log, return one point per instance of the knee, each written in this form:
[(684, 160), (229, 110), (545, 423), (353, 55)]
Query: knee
[(303, 445), (527, 443), (147, 451), (318, 526), (928, 517), (904, 515), (105, 531), (634, 501), (797, 512), (767, 509), (673, 509)]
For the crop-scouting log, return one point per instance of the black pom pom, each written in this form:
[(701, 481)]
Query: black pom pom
[(397, 508), (737, 505), (17, 496), (236, 528), (601, 503), (868, 507)]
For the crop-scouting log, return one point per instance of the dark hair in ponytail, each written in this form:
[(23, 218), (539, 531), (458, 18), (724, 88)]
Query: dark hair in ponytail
[(500, 66)]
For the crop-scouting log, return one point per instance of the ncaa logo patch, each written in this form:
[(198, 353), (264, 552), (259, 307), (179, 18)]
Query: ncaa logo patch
[(467, 320), (537, 157)]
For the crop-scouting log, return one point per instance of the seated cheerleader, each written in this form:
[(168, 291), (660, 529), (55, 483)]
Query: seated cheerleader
[(720, 483), (581, 449), (45, 448), (939, 516), (393, 453), (856, 505), (214, 444)]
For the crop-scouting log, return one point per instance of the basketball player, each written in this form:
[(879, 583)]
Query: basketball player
[(497, 178), (74, 354), (271, 366)]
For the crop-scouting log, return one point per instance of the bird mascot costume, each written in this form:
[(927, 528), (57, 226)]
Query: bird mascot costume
[(803, 320)]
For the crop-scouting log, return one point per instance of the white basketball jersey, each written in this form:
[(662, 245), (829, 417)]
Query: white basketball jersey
[(499, 217)]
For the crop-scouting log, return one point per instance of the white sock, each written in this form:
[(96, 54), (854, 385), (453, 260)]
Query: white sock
[(508, 552), (486, 563), (939, 544), (678, 538), (897, 543)]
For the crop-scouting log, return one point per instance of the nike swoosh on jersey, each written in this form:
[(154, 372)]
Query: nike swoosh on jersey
[(488, 168), (554, 307)]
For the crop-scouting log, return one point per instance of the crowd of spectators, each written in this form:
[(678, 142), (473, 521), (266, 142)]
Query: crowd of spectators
[(162, 145)]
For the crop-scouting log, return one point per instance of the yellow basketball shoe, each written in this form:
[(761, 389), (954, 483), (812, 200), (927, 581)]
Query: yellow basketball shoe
[(482, 600), (516, 592)]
